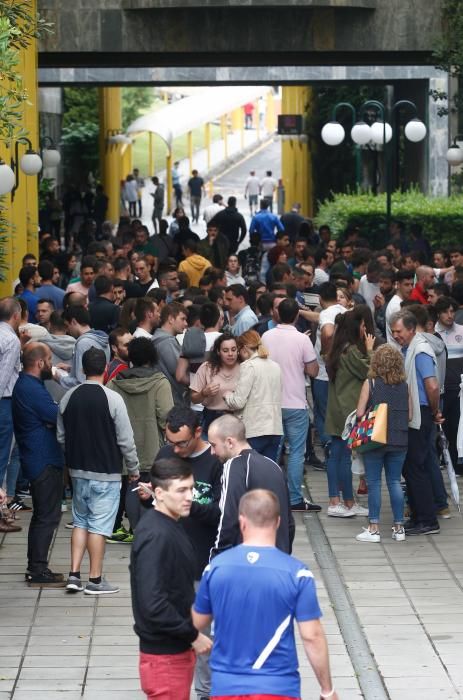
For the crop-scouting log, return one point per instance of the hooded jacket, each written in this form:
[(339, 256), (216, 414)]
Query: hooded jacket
[(194, 266), (148, 398), (90, 339), (62, 349), (440, 351), (168, 349)]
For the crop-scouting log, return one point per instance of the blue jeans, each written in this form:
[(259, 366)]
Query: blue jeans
[(393, 463), (12, 472), (339, 469), (266, 445), (6, 436), (295, 427), (320, 399)]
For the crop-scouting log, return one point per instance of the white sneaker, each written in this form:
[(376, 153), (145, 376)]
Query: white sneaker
[(357, 509), (398, 535), (368, 536), (340, 511)]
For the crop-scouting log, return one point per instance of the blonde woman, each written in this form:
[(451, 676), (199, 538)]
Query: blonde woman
[(257, 397), (386, 384)]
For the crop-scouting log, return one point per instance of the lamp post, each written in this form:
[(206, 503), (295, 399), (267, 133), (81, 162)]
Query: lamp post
[(30, 163), (379, 133)]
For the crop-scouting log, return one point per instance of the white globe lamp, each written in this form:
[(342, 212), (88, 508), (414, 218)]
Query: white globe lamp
[(454, 155), (31, 163), (333, 134), (7, 178), (415, 130), (381, 132), (361, 133), (51, 158)]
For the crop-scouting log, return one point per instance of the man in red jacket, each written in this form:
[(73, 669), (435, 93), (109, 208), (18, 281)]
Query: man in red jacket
[(119, 340), (424, 280)]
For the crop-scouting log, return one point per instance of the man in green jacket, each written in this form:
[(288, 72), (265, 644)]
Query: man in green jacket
[(148, 397)]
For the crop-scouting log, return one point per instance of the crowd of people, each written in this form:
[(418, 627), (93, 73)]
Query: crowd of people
[(212, 375)]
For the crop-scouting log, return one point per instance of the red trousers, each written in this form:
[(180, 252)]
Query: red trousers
[(167, 676)]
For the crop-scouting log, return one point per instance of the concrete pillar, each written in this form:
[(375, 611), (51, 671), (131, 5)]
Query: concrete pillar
[(296, 161), (19, 218), (110, 154)]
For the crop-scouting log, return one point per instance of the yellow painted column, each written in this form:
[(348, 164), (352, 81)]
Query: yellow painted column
[(224, 134), (236, 117), (150, 154), (270, 119), (127, 158), (189, 137), (296, 161), (169, 161), (22, 214), (207, 144), (110, 154)]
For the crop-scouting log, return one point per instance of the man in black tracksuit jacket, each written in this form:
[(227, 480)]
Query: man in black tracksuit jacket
[(162, 571), (244, 470)]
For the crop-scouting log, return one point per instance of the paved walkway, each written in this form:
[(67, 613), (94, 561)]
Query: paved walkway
[(408, 598)]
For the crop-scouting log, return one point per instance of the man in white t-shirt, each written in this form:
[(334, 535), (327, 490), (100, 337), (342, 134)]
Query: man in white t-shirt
[(404, 285), (252, 191), (294, 352), (369, 284), (268, 186), (147, 316), (325, 331)]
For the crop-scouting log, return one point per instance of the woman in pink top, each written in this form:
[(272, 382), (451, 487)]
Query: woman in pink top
[(215, 377)]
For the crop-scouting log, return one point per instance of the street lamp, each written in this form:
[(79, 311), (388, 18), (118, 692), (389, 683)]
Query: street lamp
[(30, 164), (51, 157), (379, 133), (454, 154)]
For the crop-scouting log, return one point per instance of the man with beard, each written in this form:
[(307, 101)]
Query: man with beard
[(34, 416)]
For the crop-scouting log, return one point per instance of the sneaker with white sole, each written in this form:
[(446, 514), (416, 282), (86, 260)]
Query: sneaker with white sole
[(74, 584), (340, 511), (399, 534), (368, 536), (103, 588), (357, 509)]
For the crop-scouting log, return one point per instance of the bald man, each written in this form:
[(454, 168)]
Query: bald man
[(245, 469), (424, 280), (254, 592), (34, 417)]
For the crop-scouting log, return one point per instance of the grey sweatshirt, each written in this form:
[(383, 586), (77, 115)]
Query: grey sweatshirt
[(90, 339)]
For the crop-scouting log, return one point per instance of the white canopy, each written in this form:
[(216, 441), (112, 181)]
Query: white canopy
[(191, 112)]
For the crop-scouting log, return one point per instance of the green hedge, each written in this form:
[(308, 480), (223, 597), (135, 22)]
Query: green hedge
[(440, 217)]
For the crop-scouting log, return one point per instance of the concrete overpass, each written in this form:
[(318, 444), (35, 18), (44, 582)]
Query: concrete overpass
[(137, 33)]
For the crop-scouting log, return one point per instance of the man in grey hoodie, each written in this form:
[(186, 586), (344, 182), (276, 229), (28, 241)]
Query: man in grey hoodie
[(62, 349), (173, 323), (77, 321)]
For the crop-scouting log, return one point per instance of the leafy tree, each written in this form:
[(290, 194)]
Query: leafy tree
[(448, 56), (134, 101)]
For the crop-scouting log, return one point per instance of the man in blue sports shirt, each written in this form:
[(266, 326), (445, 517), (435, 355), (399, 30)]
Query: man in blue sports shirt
[(254, 592)]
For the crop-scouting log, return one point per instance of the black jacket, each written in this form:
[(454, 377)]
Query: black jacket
[(251, 470), (232, 225), (104, 315), (162, 568), (203, 521)]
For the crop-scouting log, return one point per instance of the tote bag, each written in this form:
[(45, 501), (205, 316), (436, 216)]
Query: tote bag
[(370, 431)]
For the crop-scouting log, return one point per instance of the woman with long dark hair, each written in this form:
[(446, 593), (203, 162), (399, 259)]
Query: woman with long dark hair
[(347, 364), (215, 377)]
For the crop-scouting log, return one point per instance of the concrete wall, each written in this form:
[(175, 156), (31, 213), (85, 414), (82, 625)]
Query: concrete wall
[(398, 31)]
